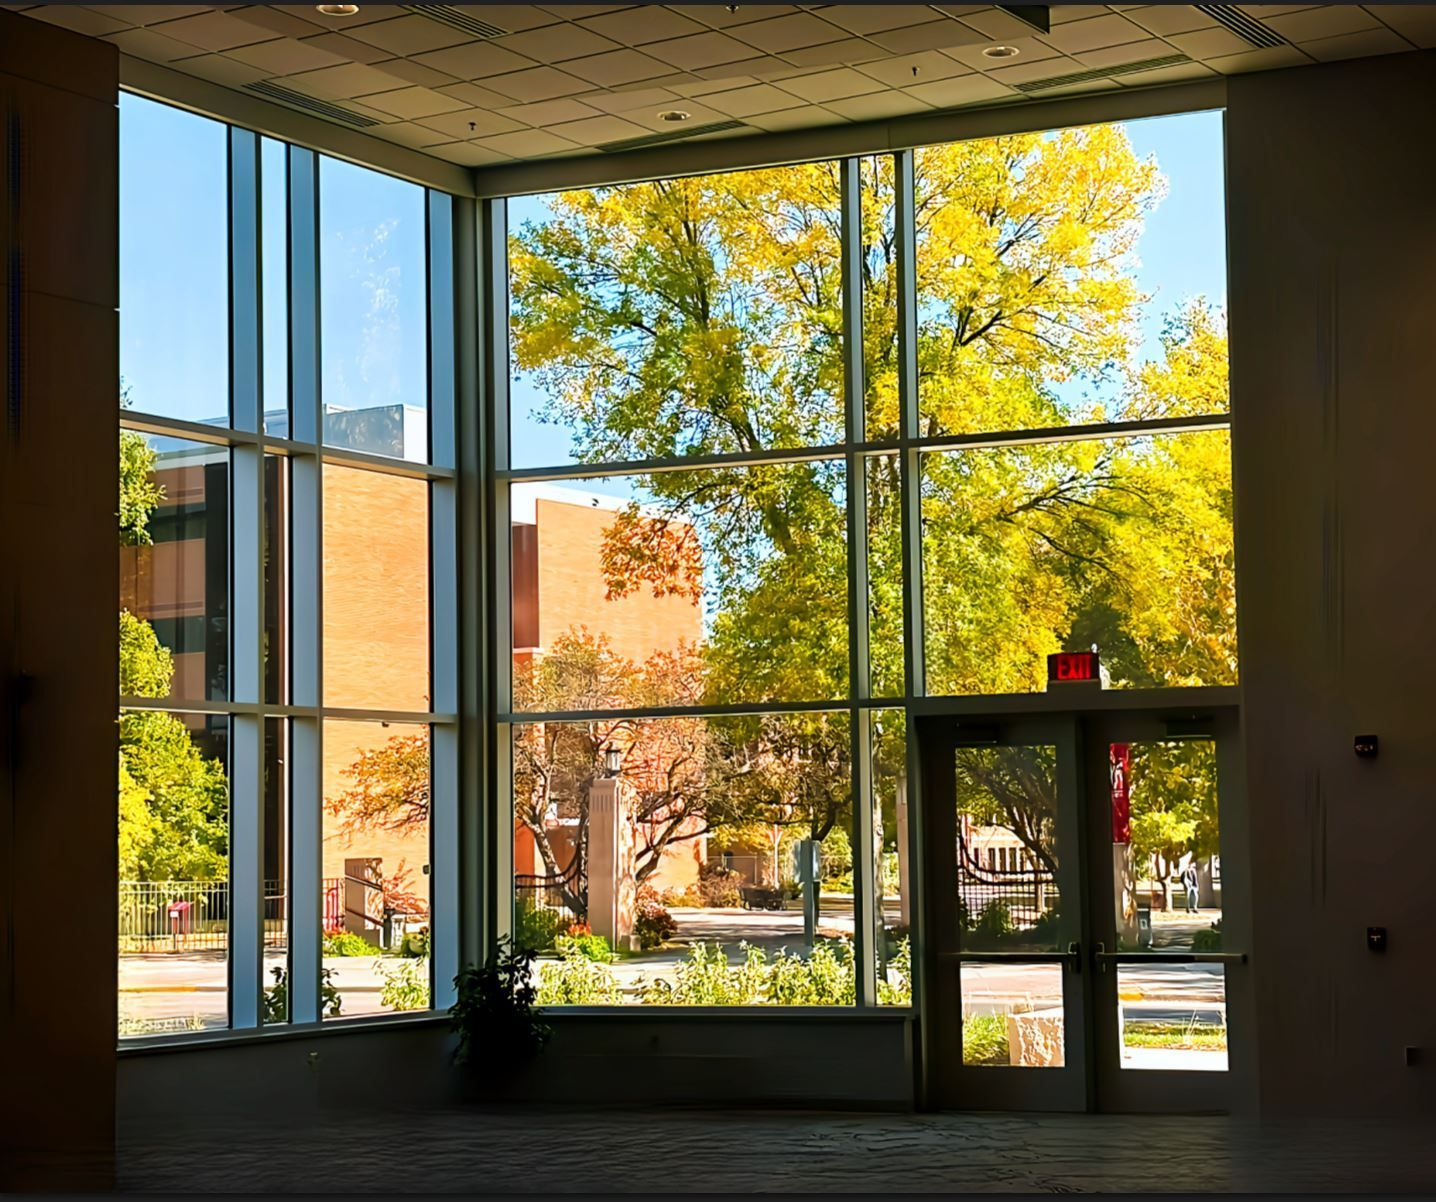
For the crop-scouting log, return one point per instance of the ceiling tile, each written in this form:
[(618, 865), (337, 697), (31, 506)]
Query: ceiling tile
[(474, 96), (153, 47), (785, 33), (285, 56), (760, 98), (597, 130), (1062, 13), (847, 53), (548, 112), (1132, 52), (1092, 34), (408, 71), (347, 48), (81, 20), (526, 143), (538, 83), (617, 67), (221, 68), (409, 35), (641, 25), (287, 25), (935, 35), (515, 18), (1415, 22), (1357, 45), (470, 123), (1258, 60), (718, 16), (1208, 43), (868, 18), (367, 15), (474, 60), (831, 85), (410, 103), (468, 154), (999, 26), (408, 133), (700, 50), (338, 83), (967, 89), (623, 102), (212, 31), (1029, 50), (555, 43), (145, 14), (1263, 11), (1049, 68), (698, 114), (880, 106), (1178, 73), (1163, 19), (1328, 21), (747, 70), (572, 12), (897, 72)]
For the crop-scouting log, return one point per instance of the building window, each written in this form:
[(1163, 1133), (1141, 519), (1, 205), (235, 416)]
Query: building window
[(282, 595), (975, 394)]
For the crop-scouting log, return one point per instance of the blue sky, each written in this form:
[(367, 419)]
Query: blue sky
[(173, 275)]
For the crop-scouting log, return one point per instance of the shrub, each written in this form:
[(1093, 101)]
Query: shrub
[(348, 943), (589, 947), (536, 929), (984, 1039), (653, 923), (494, 1010), (1209, 940), (825, 978), (689, 896), (705, 978), (415, 944), (718, 886), (406, 986), (895, 985), (995, 921), (274, 1006), (576, 980)]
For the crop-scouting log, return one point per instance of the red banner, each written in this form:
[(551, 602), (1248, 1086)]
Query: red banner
[(1119, 757)]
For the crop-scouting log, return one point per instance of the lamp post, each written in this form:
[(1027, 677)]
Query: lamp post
[(612, 761)]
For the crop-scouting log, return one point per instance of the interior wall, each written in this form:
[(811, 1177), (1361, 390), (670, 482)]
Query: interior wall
[(58, 589), (1332, 228)]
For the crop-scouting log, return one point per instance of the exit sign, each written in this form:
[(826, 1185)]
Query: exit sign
[(1073, 667)]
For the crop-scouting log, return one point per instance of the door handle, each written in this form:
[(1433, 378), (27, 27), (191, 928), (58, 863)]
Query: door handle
[(1099, 956), (1074, 958)]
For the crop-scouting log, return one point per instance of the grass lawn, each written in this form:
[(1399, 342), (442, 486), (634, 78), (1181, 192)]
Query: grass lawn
[(1174, 1035)]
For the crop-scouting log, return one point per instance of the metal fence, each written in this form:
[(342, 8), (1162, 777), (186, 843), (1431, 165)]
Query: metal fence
[(1003, 900), (565, 893), (193, 916)]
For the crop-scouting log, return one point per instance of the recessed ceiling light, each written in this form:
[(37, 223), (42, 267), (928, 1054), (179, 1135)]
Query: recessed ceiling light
[(338, 10), (1001, 52), (674, 115)]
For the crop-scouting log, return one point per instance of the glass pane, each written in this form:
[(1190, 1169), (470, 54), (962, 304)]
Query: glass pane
[(1123, 544), (274, 266), (174, 568), (893, 875), (879, 259), (1007, 855), (678, 317), (686, 861), (173, 872), (1012, 1015), (276, 579), (376, 590), (373, 312), (885, 599), (276, 871), (174, 262), (376, 868), (1166, 864), (679, 587), (1072, 276)]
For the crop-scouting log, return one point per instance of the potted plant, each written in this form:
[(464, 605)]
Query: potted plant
[(494, 1017)]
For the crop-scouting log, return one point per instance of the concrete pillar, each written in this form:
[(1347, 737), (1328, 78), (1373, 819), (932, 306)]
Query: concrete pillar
[(1124, 890), (1206, 887), (612, 893), (904, 869)]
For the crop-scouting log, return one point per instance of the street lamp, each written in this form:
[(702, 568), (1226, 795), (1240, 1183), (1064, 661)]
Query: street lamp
[(612, 761)]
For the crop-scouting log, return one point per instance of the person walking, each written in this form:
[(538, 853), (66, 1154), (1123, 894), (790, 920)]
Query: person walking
[(1189, 879)]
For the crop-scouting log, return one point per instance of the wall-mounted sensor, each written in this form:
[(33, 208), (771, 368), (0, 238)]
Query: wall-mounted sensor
[(1366, 746), (1376, 939)]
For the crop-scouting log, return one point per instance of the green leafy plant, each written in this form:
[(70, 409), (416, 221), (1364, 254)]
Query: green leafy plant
[(719, 887), (591, 947), (705, 978), (984, 1039), (576, 979), (348, 943), (494, 1010), (535, 928), (406, 986), (415, 944), (274, 1007), (995, 920), (824, 978), (895, 985), (1209, 940)]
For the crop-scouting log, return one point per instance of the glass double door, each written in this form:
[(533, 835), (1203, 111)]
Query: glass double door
[(1081, 949)]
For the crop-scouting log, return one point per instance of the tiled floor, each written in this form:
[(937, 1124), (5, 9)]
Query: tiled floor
[(529, 1150)]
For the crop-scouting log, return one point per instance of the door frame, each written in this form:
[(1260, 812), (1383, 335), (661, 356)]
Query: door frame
[(1092, 712)]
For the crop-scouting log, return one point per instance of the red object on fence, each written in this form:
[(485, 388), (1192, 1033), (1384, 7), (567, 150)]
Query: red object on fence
[(1119, 758), (179, 915), (333, 908)]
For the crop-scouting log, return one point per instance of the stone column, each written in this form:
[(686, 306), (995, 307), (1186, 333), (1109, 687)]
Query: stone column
[(1124, 889), (612, 893)]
